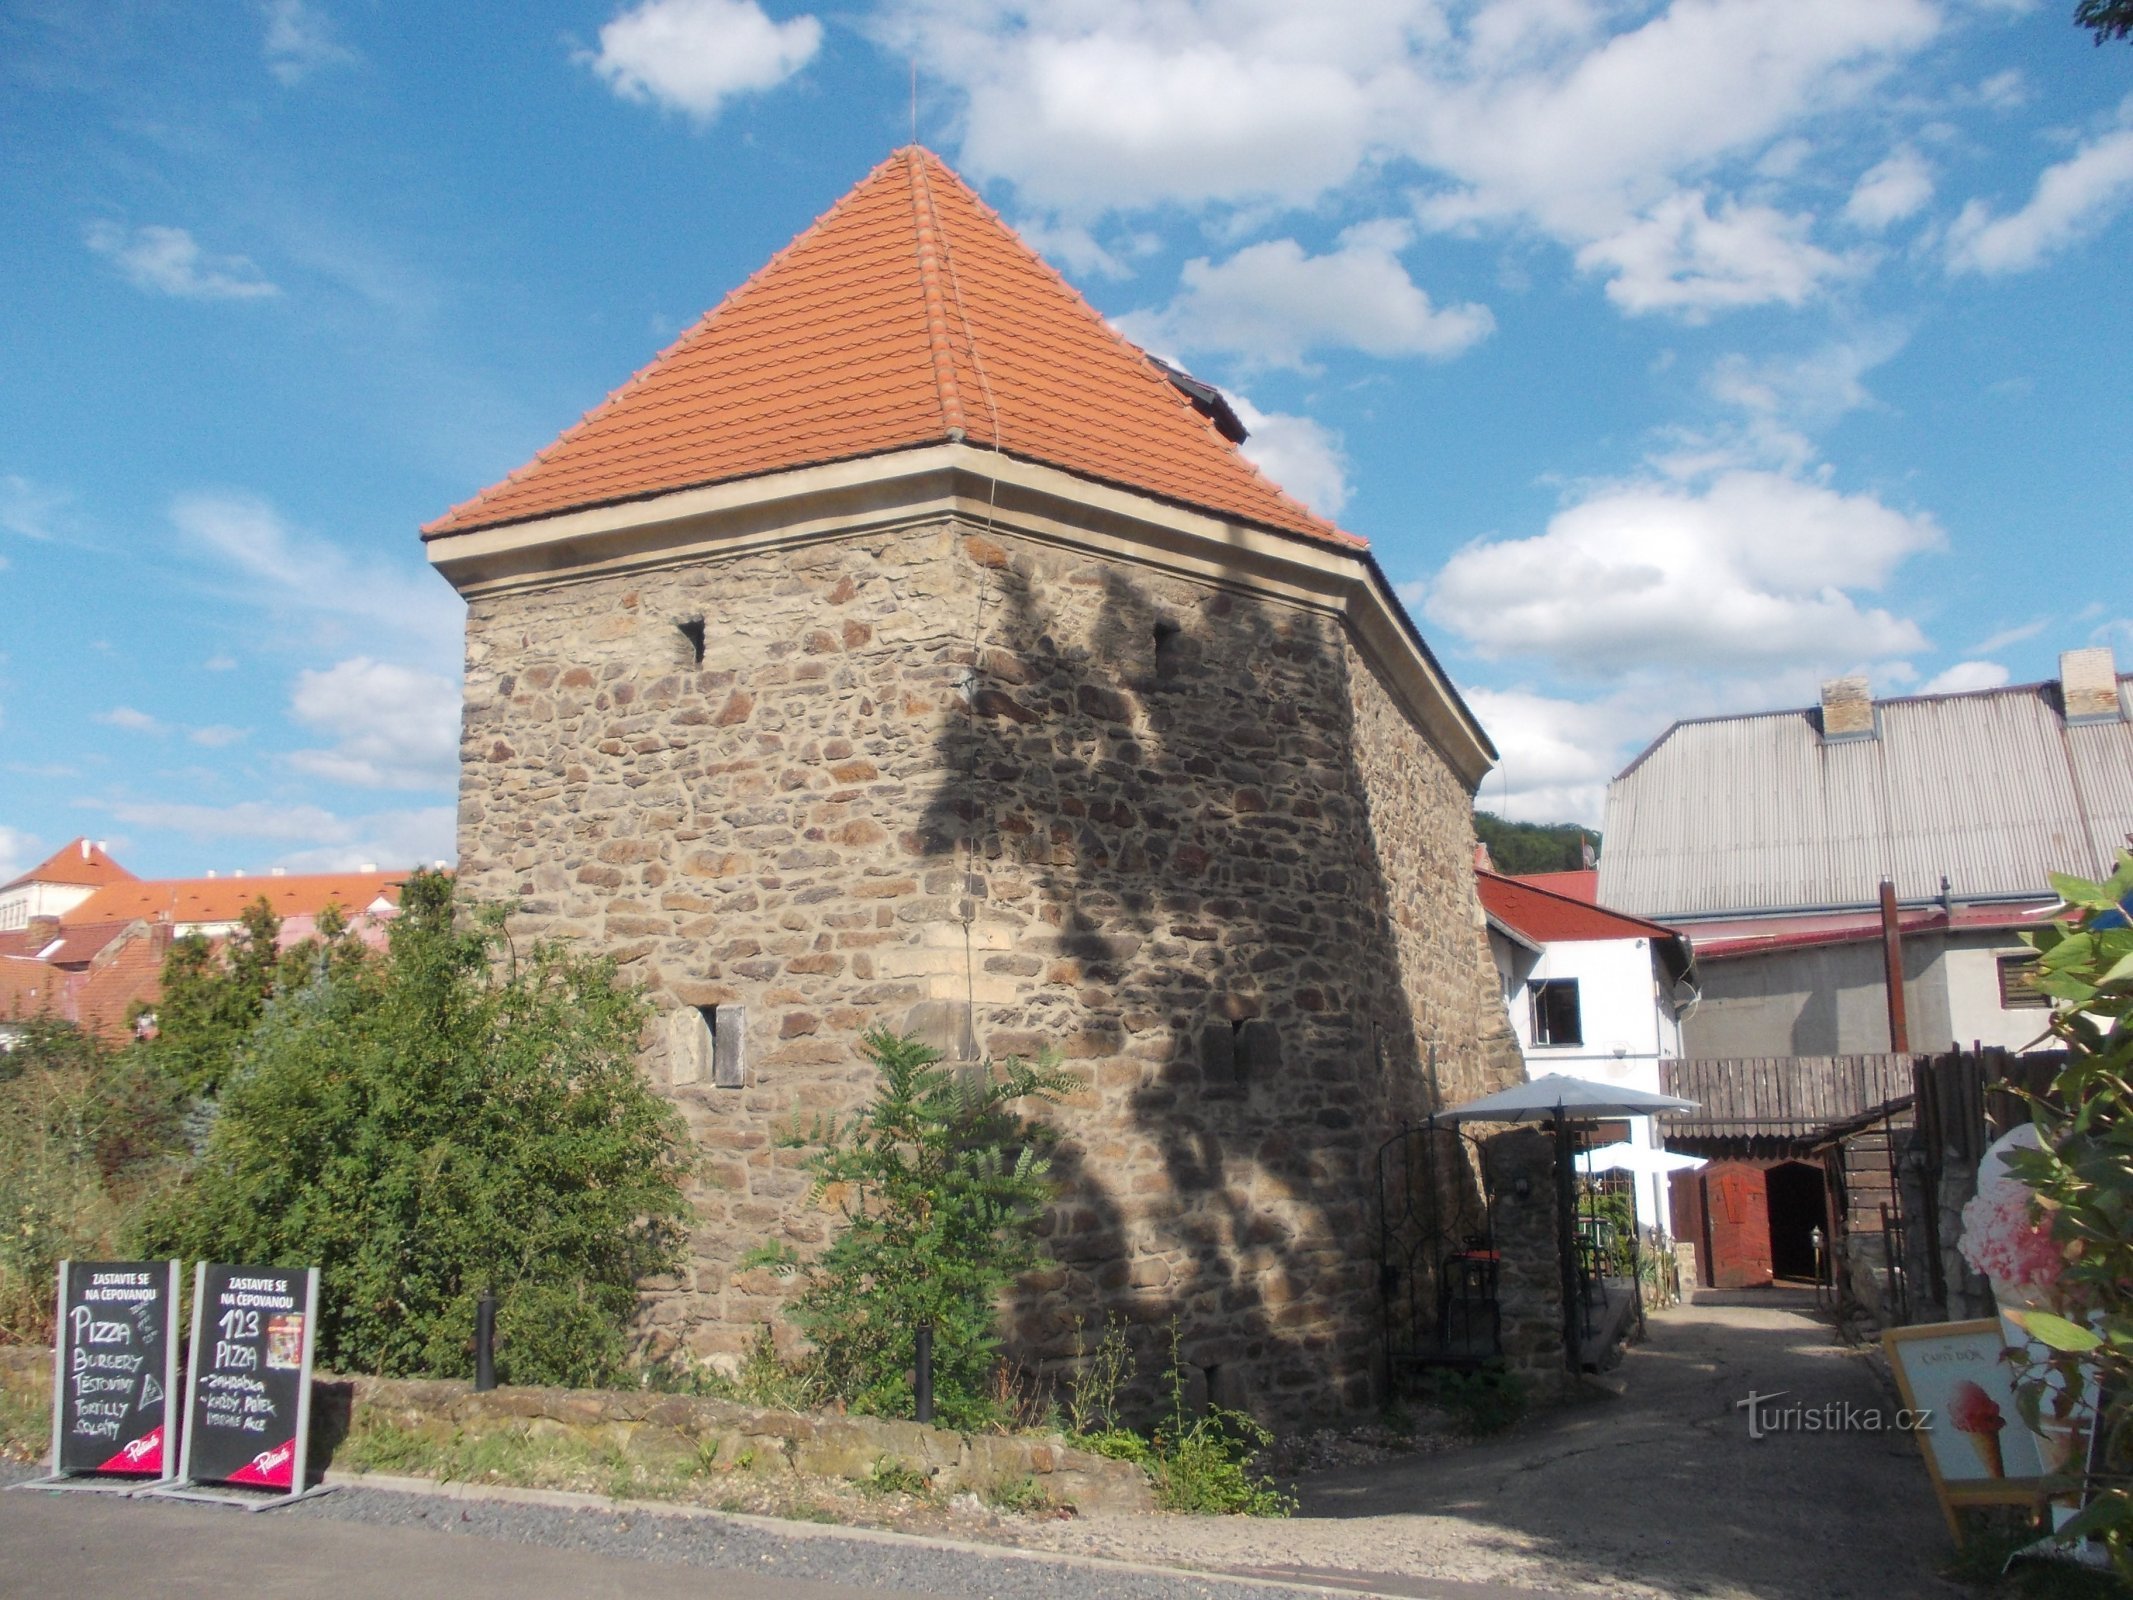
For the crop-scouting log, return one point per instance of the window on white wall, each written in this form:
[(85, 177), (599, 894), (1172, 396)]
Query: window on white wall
[(2018, 984), (1555, 1012)]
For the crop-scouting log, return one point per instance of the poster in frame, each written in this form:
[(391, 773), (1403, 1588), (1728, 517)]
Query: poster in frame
[(1977, 1449), (114, 1377), (248, 1387)]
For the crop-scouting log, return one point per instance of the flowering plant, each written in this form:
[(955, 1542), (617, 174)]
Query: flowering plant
[(2009, 1239)]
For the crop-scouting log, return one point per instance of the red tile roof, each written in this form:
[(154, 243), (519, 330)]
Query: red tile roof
[(126, 974), (29, 988), (81, 861), (211, 900), (1580, 885), (1747, 936), (79, 942), (908, 315), (1548, 918)]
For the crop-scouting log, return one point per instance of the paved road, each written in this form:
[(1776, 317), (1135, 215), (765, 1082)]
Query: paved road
[(1665, 1486), (100, 1547), (365, 1543)]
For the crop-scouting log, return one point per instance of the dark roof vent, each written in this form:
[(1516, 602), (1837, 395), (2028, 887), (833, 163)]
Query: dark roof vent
[(1206, 399)]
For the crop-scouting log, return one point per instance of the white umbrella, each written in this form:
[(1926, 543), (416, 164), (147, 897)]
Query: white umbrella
[(1556, 1097), (1636, 1158)]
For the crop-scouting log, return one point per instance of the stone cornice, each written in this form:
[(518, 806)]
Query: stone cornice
[(882, 493)]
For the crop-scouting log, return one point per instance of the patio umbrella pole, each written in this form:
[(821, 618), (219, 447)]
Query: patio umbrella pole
[(1566, 1206)]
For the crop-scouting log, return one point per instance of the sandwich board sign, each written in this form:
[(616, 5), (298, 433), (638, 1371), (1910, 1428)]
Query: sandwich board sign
[(248, 1386), (114, 1376)]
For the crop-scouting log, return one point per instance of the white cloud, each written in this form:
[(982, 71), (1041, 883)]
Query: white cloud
[(694, 55), (329, 842), (218, 735), (284, 569), (1301, 455), (168, 261), (393, 727), (29, 509), (1778, 401), (414, 838), (1748, 575), (1271, 303), (1896, 188), (1574, 119), (19, 851), (2007, 636), (220, 661), (1965, 676), (1556, 755), (1679, 257), (2071, 200), (129, 719), (300, 40)]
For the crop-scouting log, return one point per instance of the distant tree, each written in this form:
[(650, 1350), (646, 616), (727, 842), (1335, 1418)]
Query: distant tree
[(212, 999), (1517, 847), (2107, 19), (453, 1116)]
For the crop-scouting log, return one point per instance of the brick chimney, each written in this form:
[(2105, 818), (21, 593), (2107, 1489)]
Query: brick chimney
[(2088, 682), (1847, 708), (40, 932)]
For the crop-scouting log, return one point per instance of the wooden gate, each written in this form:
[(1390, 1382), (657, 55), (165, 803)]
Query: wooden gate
[(1739, 1208)]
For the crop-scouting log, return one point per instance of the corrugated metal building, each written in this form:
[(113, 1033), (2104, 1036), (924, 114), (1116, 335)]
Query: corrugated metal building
[(1765, 838)]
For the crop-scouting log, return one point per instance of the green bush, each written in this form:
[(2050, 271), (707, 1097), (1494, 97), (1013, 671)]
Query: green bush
[(1484, 1401), (2083, 1178), (940, 1186), (449, 1117), (1202, 1464), (85, 1132)]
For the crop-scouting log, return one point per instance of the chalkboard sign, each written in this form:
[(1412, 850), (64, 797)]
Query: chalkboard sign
[(115, 1370), (248, 1381)]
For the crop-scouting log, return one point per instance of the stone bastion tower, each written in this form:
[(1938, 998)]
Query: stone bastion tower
[(903, 646)]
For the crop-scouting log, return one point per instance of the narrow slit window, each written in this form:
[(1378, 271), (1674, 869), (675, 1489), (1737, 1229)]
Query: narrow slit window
[(692, 639)]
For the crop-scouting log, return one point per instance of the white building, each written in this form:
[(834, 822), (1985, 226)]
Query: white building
[(56, 885), (1591, 993)]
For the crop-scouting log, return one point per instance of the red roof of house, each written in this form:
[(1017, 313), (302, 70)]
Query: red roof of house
[(1583, 884), (1549, 918), (1747, 936), (212, 900), (81, 862), (127, 973), (29, 988), (79, 942), (908, 315)]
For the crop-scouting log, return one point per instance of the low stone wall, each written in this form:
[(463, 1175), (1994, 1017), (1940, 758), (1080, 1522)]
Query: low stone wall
[(735, 1438)]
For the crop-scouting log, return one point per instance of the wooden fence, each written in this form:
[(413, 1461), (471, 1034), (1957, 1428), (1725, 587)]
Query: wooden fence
[(1782, 1097)]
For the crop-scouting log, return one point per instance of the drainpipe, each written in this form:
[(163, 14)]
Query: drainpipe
[(1892, 953)]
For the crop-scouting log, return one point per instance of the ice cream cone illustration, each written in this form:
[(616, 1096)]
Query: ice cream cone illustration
[(1973, 1414)]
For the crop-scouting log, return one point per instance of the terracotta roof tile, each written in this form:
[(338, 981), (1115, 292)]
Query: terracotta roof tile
[(908, 315), (210, 900), (1548, 918), (80, 862)]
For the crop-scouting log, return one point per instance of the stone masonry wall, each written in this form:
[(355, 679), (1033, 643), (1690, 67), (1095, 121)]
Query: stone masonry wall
[(1013, 798)]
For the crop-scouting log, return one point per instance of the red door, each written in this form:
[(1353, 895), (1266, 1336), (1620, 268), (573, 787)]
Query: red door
[(1740, 1225)]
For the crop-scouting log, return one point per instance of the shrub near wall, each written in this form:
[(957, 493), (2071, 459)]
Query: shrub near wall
[(454, 1116)]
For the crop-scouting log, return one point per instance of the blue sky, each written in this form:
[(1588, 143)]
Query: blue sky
[(1672, 356)]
